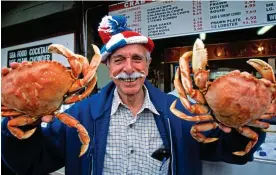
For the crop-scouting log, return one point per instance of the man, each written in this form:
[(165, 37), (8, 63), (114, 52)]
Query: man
[(131, 127)]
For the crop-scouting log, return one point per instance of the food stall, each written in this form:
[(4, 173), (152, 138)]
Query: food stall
[(231, 28)]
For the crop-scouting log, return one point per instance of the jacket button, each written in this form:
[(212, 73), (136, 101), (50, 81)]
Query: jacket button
[(131, 125), (132, 151)]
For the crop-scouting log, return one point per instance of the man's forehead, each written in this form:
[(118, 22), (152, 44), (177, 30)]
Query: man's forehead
[(128, 54), (130, 51)]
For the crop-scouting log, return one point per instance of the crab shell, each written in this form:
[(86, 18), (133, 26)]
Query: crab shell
[(238, 98), (36, 89)]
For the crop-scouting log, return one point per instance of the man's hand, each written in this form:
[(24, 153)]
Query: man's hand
[(224, 128), (47, 118)]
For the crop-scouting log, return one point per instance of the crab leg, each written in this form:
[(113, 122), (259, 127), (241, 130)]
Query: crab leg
[(272, 108), (75, 98), (247, 132), (186, 79), (71, 57), (72, 122), (11, 113), (7, 112), (197, 118), (259, 124), (21, 121), (196, 129), (269, 114), (195, 108), (89, 71)]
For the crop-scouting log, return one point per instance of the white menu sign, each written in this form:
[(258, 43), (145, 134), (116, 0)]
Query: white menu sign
[(163, 19)]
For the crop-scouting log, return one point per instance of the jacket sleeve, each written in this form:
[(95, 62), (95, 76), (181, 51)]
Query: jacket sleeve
[(42, 153)]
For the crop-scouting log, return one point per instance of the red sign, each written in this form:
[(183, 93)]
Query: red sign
[(127, 4), (246, 49)]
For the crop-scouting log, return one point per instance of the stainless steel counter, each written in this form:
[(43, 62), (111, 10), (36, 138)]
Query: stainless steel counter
[(257, 167)]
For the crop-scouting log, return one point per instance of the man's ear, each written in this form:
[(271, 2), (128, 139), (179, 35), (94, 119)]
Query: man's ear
[(149, 61), (107, 63)]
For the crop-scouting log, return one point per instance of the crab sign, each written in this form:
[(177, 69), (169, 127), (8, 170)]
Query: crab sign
[(237, 99), (31, 90)]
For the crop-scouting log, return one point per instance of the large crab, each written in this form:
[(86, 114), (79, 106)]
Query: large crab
[(31, 90), (237, 99)]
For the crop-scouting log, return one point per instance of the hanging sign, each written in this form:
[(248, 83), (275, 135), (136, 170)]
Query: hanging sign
[(163, 19), (38, 50), (34, 53)]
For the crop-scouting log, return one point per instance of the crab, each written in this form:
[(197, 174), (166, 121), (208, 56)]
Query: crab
[(31, 90), (235, 100)]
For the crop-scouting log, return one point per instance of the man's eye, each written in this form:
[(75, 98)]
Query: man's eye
[(117, 60), (137, 58)]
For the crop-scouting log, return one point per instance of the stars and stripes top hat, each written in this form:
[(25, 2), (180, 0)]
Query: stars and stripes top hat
[(115, 34)]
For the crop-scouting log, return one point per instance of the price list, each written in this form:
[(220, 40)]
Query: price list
[(197, 15), (163, 19), (136, 20), (224, 14), (133, 16), (250, 15)]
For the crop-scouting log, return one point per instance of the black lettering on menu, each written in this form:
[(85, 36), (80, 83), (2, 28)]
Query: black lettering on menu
[(220, 18), (34, 53), (159, 18), (218, 6), (270, 8)]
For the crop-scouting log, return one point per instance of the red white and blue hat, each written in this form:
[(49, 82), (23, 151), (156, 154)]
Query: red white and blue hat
[(115, 34)]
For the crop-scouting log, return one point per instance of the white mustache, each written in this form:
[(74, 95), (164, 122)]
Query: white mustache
[(124, 75)]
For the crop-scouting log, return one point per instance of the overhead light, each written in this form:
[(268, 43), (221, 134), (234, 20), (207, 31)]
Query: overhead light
[(260, 49), (264, 29), (202, 36)]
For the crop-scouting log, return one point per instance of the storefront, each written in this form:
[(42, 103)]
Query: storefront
[(231, 38)]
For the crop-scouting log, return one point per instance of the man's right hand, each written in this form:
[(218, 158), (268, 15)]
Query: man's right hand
[(47, 118)]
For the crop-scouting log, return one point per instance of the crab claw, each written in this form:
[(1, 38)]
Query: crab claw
[(200, 57), (263, 68)]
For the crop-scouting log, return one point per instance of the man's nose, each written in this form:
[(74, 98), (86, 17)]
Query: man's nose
[(128, 67)]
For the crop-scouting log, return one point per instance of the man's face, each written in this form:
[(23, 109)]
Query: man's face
[(130, 65)]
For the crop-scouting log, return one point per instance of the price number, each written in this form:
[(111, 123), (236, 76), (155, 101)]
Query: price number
[(197, 24), (250, 12), (197, 7), (249, 4)]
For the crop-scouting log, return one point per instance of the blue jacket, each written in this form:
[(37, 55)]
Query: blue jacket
[(57, 145)]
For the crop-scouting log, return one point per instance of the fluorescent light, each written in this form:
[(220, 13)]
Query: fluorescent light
[(264, 29), (202, 36)]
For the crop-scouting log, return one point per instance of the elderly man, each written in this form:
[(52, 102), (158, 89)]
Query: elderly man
[(130, 124)]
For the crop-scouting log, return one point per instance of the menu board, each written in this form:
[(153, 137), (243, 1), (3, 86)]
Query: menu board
[(163, 19), (37, 50), (34, 53)]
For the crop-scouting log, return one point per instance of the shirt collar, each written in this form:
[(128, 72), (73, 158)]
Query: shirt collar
[(146, 105)]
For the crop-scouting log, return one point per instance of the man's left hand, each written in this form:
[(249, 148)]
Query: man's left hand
[(224, 128)]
